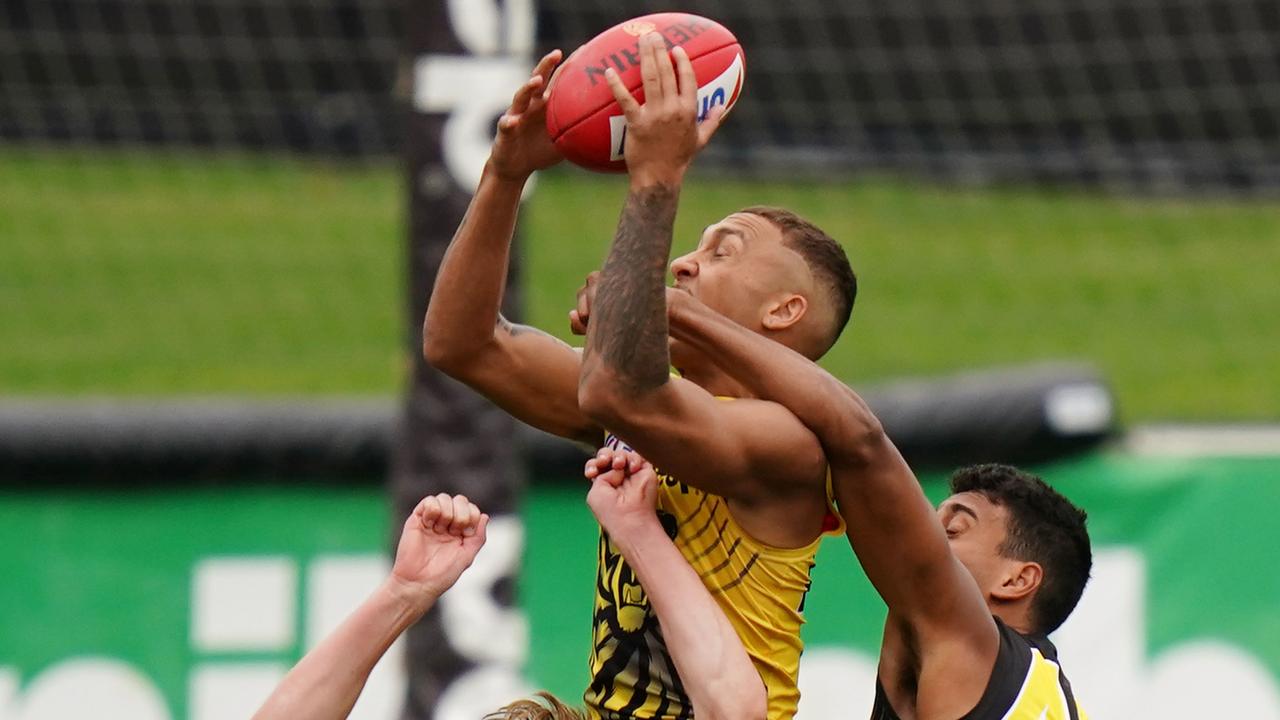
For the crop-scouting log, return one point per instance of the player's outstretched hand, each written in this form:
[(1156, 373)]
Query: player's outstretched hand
[(522, 145), (663, 134), (439, 541), (624, 491)]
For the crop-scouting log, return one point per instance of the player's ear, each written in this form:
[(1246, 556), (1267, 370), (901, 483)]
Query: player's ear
[(784, 312), (1022, 579)]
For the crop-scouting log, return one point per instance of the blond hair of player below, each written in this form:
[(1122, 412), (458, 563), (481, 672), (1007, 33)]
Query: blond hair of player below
[(545, 707)]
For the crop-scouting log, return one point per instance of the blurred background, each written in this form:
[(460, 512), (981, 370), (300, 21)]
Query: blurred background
[(219, 221)]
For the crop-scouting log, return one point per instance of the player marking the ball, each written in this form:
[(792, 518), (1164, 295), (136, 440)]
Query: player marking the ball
[(743, 490)]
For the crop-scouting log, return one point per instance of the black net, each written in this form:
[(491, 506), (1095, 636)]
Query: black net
[(1148, 93), (244, 74)]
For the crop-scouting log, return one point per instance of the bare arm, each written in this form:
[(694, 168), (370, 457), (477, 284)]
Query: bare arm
[(528, 373), (891, 524), (329, 679), (440, 540), (714, 667), (626, 351)]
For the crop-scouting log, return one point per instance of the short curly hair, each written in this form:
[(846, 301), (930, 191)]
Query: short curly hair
[(1044, 527)]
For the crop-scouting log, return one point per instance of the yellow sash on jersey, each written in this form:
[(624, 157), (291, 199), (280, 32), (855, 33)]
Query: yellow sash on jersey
[(1041, 696)]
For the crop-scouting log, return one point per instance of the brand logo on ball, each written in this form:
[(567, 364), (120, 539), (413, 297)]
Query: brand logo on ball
[(628, 57), (639, 27), (721, 90)]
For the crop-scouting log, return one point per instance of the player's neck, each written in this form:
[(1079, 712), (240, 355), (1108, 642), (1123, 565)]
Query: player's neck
[(1017, 617)]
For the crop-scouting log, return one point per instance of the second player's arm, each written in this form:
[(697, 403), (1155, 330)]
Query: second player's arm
[(892, 527), (713, 665), (438, 542)]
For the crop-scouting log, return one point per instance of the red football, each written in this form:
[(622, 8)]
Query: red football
[(584, 120)]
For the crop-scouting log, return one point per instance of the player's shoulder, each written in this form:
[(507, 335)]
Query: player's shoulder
[(1029, 670)]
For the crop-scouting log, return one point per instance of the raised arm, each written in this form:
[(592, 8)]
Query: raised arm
[(891, 525), (528, 373), (439, 541), (713, 665), (626, 352), (744, 450)]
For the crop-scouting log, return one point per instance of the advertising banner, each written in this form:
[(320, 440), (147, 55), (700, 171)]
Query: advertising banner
[(168, 604)]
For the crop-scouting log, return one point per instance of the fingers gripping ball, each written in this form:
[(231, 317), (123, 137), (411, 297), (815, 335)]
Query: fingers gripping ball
[(583, 119)]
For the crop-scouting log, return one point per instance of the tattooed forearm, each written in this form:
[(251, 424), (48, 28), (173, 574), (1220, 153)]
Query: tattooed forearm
[(628, 329)]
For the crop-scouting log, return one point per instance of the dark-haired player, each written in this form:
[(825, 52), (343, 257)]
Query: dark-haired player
[(744, 490), (972, 587)]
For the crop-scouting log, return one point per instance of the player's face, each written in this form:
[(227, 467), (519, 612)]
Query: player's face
[(739, 266), (976, 527)]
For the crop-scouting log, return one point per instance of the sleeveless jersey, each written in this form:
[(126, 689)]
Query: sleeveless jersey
[(759, 587), (1026, 684)]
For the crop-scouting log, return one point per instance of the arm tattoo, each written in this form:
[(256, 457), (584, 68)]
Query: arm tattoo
[(628, 328)]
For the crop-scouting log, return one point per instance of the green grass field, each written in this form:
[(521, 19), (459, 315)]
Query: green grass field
[(155, 275)]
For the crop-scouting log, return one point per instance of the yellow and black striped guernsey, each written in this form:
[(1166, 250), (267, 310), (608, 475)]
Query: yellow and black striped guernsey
[(1026, 684), (760, 588)]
